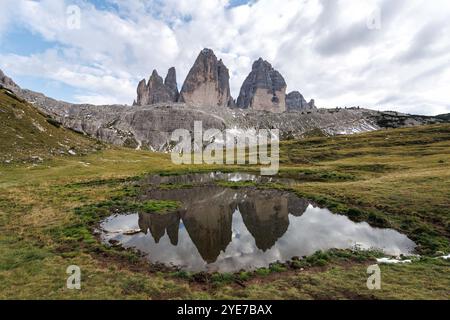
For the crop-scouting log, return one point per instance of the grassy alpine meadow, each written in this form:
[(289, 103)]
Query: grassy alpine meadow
[(396, 179)]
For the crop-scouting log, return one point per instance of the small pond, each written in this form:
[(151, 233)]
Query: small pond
[(226, 230)]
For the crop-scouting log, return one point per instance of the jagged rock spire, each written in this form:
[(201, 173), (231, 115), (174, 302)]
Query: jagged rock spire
[(171, 84), (208, 82), (157, 90)]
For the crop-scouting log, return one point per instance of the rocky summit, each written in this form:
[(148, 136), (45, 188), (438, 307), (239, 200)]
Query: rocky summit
[(207, 83), (264, 89), (157, 90), (296, 102), (171, 84)]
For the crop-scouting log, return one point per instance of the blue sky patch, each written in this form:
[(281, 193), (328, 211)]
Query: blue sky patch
[(21, 41)]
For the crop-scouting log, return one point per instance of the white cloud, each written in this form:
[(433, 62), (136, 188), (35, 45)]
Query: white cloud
[(322, 47), (6, 14)]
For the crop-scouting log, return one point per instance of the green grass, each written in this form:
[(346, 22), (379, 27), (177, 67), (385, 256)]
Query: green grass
[(159, 206), (394, 178)]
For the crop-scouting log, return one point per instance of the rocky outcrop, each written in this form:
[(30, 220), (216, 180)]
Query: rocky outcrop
[(264, 89), (142, 94), (7, 82), (157, 90), (296, 102), (171, 84), (207, 83)]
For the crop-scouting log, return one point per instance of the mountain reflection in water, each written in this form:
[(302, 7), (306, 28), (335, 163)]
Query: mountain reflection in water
[(222, 229)]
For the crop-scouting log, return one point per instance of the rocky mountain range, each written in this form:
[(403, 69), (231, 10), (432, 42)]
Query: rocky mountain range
[(208, 84), (205, 96)]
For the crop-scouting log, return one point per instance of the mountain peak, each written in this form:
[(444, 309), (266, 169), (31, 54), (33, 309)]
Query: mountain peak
[(157, 90), (207, 83), (264, 89), (207, 51), (171, 83), (296, 102), (261, 63)]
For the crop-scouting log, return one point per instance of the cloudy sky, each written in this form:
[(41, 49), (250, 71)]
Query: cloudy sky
[(382, 54)]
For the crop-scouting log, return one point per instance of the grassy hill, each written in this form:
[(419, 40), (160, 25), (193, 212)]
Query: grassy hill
[(27, 135)]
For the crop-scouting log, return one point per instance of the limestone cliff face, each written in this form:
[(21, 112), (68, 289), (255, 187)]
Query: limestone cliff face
[(208, 82), (264, 89), (157, 90)]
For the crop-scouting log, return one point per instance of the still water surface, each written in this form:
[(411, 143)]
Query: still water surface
[(222, 229)]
